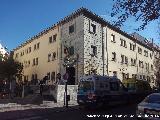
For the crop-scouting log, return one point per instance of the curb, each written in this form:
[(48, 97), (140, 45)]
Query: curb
[(46, 105)]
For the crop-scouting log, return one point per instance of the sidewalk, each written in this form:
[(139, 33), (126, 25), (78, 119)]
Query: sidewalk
[(44, 105)]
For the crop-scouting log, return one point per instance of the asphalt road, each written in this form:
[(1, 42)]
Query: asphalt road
[(122, 112)]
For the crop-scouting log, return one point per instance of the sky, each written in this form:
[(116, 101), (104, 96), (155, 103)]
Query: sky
[(22, 19)]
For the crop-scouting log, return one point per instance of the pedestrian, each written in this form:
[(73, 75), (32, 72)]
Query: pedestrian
[(41, 87)]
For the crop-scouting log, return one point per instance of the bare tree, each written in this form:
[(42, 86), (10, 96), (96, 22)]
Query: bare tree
[(143, 10)]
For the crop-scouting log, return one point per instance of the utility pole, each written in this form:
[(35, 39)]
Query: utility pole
[(102, 49)]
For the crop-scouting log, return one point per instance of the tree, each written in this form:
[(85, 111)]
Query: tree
[(157, 71), (144, 10), (10, 69)]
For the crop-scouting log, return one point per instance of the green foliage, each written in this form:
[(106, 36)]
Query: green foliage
[(157, 70), (10, 68), (144, 10)]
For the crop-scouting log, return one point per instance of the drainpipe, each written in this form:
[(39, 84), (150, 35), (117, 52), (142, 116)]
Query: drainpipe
[(106, 51), (102, 49)]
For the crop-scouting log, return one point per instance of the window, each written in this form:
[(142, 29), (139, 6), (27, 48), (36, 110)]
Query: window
[(140, 77), (113, 56), (53, 56), (133, 62), (29, 49), (54, 37), (71, 29), (35, 47), (94, 50), (141, 64), (146, 53), (139, 50), (35, 76), (26, 51), (151, 54), (48, 75), (127, 75), (147, 66), (148, 79), (152, 67), (126, 60), (132, 46), (53, 76), (50, 39), (71, 50), (93, 28), (17, 54), (115, 73), (28, 63), (36, 61), (122, 58), (38, 45), (123, 76), (134, 75), (123, 43), (49, 57), (113, 38)]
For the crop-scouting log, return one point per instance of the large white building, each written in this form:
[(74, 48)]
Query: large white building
[(84, 43)]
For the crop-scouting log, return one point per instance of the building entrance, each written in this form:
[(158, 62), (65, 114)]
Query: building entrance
[(71, 78)]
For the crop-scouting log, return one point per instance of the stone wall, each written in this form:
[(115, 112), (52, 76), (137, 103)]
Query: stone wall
[(71, 90)]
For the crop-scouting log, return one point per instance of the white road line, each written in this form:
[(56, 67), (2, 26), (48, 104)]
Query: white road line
[(32, 118)]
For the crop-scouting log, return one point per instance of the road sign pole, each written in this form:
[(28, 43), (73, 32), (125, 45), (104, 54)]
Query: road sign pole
[(65, 77), (66, 100)]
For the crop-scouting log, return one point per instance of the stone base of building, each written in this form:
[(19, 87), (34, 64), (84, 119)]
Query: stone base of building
[(59, 93)]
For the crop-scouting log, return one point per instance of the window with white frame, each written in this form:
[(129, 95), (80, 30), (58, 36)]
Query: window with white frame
[(92, 28), (94, 50), (53, 56), (139, 50), (113, 56), (123, 43), (146, 53), (132, 46), (141, 64), (113, 38)]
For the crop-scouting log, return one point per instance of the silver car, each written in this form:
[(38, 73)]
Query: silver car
[(149, 108)]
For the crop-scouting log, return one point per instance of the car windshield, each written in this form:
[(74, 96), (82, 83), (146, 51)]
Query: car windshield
[(153, 99), (85, 85)]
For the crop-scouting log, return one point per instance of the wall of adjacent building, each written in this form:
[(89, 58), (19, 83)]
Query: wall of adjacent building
[(44, 66), (118, 66)]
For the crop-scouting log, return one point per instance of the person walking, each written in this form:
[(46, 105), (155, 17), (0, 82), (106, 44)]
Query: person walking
[(41, 87)]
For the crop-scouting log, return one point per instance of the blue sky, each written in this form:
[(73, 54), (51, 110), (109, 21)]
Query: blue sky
[(22, 19)]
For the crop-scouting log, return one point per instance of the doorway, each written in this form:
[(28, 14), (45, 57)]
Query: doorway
[(71, 73)]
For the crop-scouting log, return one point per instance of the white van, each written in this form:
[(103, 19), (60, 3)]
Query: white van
[(95, 89)]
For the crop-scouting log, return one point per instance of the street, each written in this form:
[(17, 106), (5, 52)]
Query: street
[(124, 112)]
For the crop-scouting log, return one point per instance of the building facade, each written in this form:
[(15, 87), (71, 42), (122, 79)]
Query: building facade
[(82, 44)]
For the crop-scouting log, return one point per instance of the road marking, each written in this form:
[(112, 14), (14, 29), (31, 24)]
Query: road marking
[(32, 118)]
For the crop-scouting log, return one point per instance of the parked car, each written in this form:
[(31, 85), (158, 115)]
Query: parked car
[(149, 108)]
